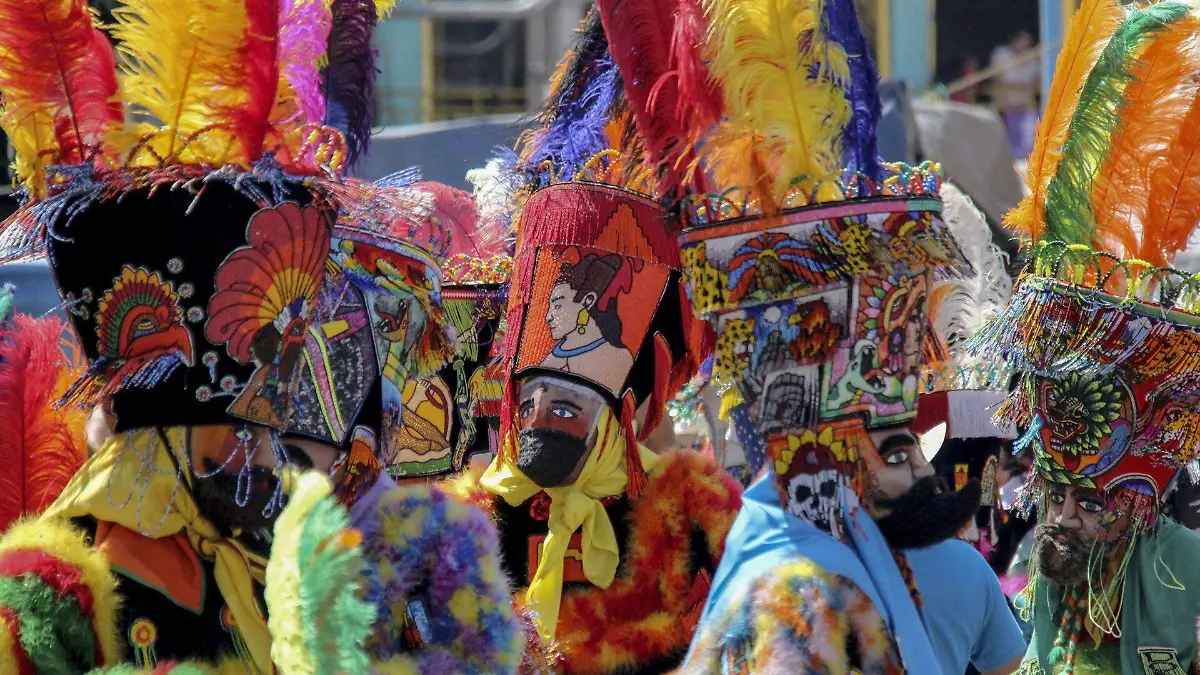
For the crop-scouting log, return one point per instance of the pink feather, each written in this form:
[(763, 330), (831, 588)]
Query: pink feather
[(303, 40)]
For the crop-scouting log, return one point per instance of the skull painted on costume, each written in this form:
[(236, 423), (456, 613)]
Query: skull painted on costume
[(814, 497)]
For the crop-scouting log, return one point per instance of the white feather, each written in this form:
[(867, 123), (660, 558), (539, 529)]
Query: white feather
[(973, 300)]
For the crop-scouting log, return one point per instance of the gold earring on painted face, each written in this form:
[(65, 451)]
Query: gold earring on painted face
[(581, 321)]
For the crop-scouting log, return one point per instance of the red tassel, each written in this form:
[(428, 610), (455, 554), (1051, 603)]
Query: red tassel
[(636, 479), (662, 383), (509, 422)]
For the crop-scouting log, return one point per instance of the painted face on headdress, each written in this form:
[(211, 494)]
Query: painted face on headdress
[(591, 321), (592, 288)]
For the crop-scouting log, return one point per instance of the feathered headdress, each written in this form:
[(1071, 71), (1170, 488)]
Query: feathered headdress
[(1109, 210), (229, 103)]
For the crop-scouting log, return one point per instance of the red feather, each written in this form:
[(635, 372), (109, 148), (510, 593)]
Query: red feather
[(260, 64), (55, 61), (640, 37), (41, 447), (700, 102)]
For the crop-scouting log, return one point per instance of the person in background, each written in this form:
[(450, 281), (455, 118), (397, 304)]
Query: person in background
[(1183, 504), (1014, 91), (965, 609)]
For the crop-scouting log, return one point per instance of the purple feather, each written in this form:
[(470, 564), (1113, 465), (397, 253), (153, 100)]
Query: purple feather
[(576, 114), (303, 39), (349, 78), (861, 149)]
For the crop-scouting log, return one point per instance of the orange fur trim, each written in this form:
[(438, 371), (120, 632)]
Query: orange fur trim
[(640, 617), (465, 488)]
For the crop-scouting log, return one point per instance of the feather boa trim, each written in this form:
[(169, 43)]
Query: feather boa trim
[(434, 573), (650, 611), (52, 579), (796, 619)]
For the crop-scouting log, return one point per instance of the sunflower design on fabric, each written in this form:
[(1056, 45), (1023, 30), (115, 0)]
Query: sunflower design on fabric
[(820, 442), (1082, 410)]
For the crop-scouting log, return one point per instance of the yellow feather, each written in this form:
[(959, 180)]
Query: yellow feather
[(761, 52), (383, 8), (177, 55), (33, 142), (1091, 27)]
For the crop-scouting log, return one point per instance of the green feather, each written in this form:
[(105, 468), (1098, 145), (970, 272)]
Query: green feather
[(55, 634), (7, 302), (1097, 119), (462, 315), (330, 584)]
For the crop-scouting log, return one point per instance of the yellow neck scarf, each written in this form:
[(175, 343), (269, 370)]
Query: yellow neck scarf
[(571, 507), (155, 502)]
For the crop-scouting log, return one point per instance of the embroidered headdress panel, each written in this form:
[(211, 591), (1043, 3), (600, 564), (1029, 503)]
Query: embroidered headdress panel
[(191, 242), (594, 265), (813, 259)]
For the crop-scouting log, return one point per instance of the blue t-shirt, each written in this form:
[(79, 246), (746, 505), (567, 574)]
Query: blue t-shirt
[(966, 613)]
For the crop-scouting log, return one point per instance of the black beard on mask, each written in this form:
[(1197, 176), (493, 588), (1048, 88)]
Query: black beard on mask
[(1062, 554), (928, 513), (216, 499), (549, 456)]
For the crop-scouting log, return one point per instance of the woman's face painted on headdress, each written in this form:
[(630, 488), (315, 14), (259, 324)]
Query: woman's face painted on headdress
[(565, 314), (557, 419)]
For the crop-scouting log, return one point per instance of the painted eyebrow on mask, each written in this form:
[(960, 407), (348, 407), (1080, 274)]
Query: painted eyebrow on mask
[(896, 442), (568, 403)]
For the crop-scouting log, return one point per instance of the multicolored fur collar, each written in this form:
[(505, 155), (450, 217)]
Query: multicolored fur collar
[(650, 611)]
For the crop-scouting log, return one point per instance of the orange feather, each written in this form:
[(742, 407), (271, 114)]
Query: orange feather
[(1155, 104), (1174, 194), (1093, 24)]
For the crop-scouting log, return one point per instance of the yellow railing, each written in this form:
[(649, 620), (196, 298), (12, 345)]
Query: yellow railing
[(406, 106)]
